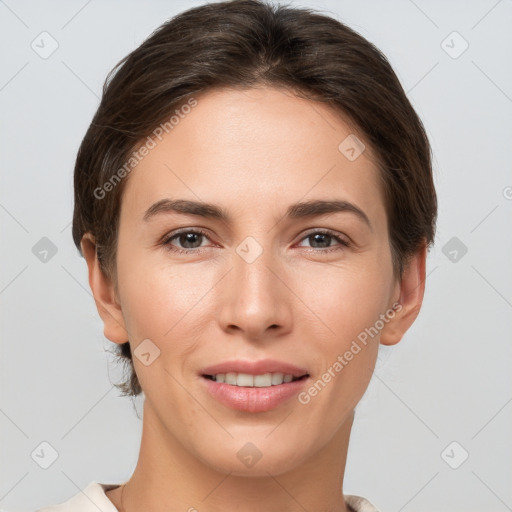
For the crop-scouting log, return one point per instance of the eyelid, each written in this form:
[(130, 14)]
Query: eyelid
[(166, 239), (343, 240), (327, 231)]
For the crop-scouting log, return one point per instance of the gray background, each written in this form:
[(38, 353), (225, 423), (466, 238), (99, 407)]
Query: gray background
[(448, 380)]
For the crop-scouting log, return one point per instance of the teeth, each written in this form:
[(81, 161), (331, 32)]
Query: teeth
[(277, 378), (257, 381)]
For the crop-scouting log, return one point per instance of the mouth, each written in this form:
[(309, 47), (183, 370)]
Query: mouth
[(253, 386), (248, 380), (253, 393)]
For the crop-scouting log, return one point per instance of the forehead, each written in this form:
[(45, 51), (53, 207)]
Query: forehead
[(254, 150)]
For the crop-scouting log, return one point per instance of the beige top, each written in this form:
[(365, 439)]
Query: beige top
[(94, 499)]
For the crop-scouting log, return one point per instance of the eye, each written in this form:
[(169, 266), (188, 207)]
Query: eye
[(324, 237), (189, 238)]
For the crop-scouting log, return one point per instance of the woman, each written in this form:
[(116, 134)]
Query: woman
[(254, 199)]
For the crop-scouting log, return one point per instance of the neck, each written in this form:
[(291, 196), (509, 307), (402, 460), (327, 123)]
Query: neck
[(168, 477)]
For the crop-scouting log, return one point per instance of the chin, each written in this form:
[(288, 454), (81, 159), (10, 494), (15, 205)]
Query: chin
[(257, 457)]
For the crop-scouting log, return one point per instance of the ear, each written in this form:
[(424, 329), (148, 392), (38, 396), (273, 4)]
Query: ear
[(411, 289), (104, 293)]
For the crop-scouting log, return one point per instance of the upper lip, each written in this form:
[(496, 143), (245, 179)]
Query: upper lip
[(255, 368)]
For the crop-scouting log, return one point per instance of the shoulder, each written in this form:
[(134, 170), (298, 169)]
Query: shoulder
[(359, 504), (90, 499)]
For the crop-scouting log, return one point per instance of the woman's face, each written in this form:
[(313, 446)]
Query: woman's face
[(263, 283)]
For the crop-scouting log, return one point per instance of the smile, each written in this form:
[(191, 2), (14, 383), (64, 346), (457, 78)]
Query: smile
[(257, 381)]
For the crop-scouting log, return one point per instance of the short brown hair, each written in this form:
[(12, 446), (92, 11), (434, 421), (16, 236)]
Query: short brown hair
[(248, 43)]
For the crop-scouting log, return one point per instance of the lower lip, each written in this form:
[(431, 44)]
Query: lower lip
[(253, 399)]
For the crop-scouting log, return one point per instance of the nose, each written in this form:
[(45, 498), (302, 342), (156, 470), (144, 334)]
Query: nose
[(256, 300)]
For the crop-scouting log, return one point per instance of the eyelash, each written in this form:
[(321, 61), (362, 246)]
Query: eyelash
[(167, 240)]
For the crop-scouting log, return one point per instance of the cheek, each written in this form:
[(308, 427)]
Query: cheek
[(160, 299), (345, 356), (345, 300), (168, 305), (349, 309)]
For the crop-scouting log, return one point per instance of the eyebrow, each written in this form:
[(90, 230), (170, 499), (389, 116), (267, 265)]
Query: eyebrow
[(295, 211)]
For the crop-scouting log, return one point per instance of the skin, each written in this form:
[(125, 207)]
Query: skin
[(253, 152)]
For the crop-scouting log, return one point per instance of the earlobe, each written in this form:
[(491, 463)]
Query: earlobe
[(104, 294), (412, 289)]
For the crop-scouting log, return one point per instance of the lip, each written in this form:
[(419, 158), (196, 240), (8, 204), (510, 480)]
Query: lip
[(253, 399), (255, 368)]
